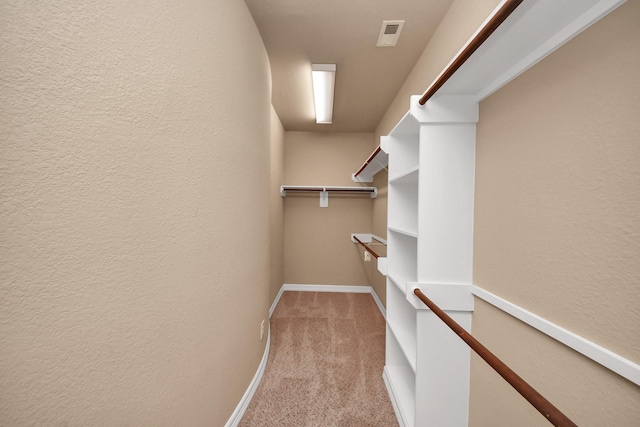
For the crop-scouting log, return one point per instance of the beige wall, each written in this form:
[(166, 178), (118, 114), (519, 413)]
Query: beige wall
[(134, 182), (276, 218), (318, 249), (556, 223)]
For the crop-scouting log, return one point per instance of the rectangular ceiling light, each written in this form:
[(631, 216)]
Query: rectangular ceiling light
[(324, 79)]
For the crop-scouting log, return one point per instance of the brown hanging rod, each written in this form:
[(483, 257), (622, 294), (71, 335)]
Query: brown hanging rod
[(507, 8), (546, 408), (366, 162), (367, 248)]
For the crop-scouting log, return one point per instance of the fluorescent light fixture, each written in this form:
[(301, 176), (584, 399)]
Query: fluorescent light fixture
[(324, 79)]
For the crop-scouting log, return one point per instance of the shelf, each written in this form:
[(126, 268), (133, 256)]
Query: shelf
[(377, 161), (404, 344), (408, 177), (397, 281), (403, 205), (404, 232), (382, 265), (402, 259), (401, 380), (401, 318), (404, 155), (407, 126), (379, 251), (521, 41)]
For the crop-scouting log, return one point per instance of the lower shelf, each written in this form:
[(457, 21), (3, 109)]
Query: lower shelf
[(401, 322), (401, 382), (400, 388)]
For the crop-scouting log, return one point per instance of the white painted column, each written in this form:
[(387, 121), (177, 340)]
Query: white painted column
[(445, 256)]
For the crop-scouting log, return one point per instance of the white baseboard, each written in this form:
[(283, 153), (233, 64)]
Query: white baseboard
[(253, 386), (276, 300), (598, 354), (378, 303), (328, 288)]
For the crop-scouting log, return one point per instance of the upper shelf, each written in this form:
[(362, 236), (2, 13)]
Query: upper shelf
[(377, 161), (534, 30)]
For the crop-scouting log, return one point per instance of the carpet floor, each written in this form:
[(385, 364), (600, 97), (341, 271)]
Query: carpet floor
[(325, 364)]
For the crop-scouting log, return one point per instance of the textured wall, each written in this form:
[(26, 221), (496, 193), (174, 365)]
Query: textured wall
[(134, 179), (556, 223), (317, 244)]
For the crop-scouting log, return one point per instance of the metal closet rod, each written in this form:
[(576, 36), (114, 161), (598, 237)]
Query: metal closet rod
[(538, 401), (320, 188), (507, 8)]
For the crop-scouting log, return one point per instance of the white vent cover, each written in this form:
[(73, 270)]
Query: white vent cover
[(389, 33)]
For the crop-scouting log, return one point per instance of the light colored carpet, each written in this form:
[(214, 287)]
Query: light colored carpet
[(325, 364)]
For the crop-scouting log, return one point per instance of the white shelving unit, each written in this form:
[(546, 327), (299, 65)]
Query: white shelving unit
[(430, 211), (424, 202)]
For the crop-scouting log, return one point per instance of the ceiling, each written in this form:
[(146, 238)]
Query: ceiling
[(298, 33)]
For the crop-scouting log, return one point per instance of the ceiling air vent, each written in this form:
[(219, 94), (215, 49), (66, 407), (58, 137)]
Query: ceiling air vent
[(389, 33)]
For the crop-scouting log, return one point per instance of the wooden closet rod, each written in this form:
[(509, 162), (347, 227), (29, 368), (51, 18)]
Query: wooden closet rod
[(366, 162), (367, 248), (507, 8), (546, 408)]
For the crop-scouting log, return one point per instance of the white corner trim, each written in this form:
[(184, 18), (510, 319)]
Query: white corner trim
[(327, 288), (618, 364), (378, 303), (235, 418)]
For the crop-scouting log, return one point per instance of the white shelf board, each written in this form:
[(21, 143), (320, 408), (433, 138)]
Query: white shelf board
[(382, 265), (406, 341), (398, 280), (377, 161), (398, 230), (407, 126), (408, 177), (533, 31), (404, 397)]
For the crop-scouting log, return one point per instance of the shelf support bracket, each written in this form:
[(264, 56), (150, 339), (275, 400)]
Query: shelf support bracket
[(324, 198)]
